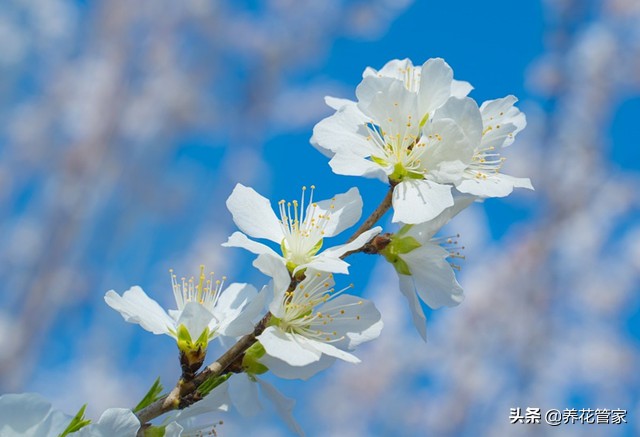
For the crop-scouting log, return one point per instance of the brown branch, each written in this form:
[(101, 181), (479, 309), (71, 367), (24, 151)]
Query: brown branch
[(374, 217)]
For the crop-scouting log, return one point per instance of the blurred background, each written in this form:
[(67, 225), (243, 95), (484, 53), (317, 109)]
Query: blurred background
[(125, 125)]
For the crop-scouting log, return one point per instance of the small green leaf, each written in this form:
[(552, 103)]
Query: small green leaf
[(211, 383), (152, 395), (78, 422), (154, 431), (250, 361)]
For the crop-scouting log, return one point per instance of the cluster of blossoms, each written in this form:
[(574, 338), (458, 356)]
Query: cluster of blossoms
[(415, 129)]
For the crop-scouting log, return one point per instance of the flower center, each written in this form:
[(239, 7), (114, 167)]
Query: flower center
[(303, 229), (205, 291), (300, 315)]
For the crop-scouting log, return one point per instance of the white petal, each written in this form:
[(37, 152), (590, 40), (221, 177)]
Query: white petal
[(325, 263), (274, 266), (113, 422), (460, 88), (448, 151), (29, 415), (244, 394), (290, 348), (238, 239), (252, 213), (333, 351), (361, 240), (423, 232), (217, 400), (416, 201), (350, 164), (435, 85), (235, 310), (433, 276), (396, 68), (344, 209), (337, 103), (390, 105), (136, 307), (284, 406), (345, 130), (495, 185), (466, 114), (173, 430), (502, 113), (407, 288), (352, 317), (195, 317), (286, 371)]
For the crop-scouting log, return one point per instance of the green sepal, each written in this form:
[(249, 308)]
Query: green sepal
[(403, 230), (208, 385), (78, 422), (154, 431), (152, 395), (273, 321), (250, 361), (193, 352), (397, 247), (403, 245)]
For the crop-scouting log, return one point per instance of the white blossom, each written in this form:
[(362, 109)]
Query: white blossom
[(301, 229), (314, 323), (417, 129), (424, 266), (203, 308)]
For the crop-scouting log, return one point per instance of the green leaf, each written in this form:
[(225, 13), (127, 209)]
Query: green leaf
[(250, 361), (78, 422), (154, 431), (211, 383), (403, 245), (152, 395)]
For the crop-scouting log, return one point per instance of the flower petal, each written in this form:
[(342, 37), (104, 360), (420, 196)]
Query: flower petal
[(290, 348), (433, 276), (345, 130), (423, 232), (361, 240), (244, 394), (284, 405), (29, 415), (460, 88), (355, 319), (238, 239), (435, 85), (502, 122), (416, 201), (344, 210), (252, 213), (348, 163), (235, 310), (136, 307), (287, 371), (195, 317), (466, 115), (325, 263), (332, 351), (114, 421), (408, 289), (495, 185)]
